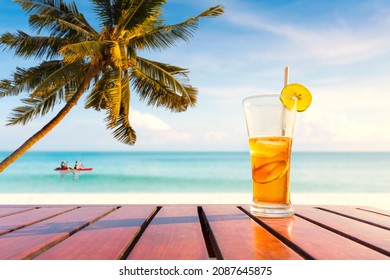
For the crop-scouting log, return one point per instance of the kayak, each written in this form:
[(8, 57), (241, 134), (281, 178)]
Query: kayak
[(73, 169)]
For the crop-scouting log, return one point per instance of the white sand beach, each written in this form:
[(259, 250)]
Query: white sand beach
[(377, 200)]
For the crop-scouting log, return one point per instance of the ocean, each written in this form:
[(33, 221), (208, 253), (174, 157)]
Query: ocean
[(212, 172)]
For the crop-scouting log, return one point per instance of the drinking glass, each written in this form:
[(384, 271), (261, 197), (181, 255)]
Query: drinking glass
[(270, 128)]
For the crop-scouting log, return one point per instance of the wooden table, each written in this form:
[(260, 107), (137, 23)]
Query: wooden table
[(191, 232)]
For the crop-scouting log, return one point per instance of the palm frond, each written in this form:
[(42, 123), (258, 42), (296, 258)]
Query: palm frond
[(107, 94), (169, 81), (97, 98), (155, 93), (115, 99), (35, 107), (125, 98), (114, 95), (115, 55), (105, 13), (28, 79), (162, 37), (57, 9), (68, 74), (153, 22), (212, 12), (61, 28), (27, 46), (71, 88), (136, 12), (122, 129), (8, 88), (92, 50)]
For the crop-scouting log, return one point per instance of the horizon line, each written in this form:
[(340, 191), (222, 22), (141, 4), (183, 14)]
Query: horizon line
[(193, 151)]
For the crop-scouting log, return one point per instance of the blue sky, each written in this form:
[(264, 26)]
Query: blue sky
[(340, 50)]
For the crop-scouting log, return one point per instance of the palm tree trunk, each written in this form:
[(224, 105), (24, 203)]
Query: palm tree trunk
[(50, 125)]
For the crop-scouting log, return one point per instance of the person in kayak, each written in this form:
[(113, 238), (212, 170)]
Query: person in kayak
[(78, 165), (64, 164)]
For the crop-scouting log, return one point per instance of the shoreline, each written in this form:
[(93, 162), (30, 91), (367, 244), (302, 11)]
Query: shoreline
[(377, 200)]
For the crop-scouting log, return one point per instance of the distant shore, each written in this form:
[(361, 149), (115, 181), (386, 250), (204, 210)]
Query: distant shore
[(377, 200)]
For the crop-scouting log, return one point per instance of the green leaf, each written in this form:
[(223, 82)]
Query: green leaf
[(165, 36), (163, 85), (92, 50), (136, 12), (105, 12), (66, 74), (124, 132), (122, 129), (27, 46), (97, 98), (35, 107), (56, 9), (60, 27), (114, 94), (28, 79)]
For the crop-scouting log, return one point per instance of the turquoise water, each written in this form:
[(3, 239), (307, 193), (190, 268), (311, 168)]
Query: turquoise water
[(191, 172)]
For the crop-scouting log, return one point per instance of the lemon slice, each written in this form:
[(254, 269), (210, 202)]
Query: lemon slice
[(299, 92), (270, 171)]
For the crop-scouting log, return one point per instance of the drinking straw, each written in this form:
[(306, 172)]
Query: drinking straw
[(286, 76)]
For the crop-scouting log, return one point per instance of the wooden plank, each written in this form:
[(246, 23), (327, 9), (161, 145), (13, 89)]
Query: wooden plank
[(320, 243), (239, 237), (29, 241), (375, 210), (368, 235), (369, 217), (106, 239), (6, 211), (16, 221), (174, 233)]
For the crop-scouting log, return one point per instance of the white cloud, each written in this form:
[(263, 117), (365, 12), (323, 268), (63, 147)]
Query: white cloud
[(148, 121), (332, 130)]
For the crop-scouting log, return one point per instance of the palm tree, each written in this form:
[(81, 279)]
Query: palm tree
[(76, 59)]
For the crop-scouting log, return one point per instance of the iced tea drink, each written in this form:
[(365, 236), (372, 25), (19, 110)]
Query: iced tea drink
[(270, 120), (270, 127), (270, 161)]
